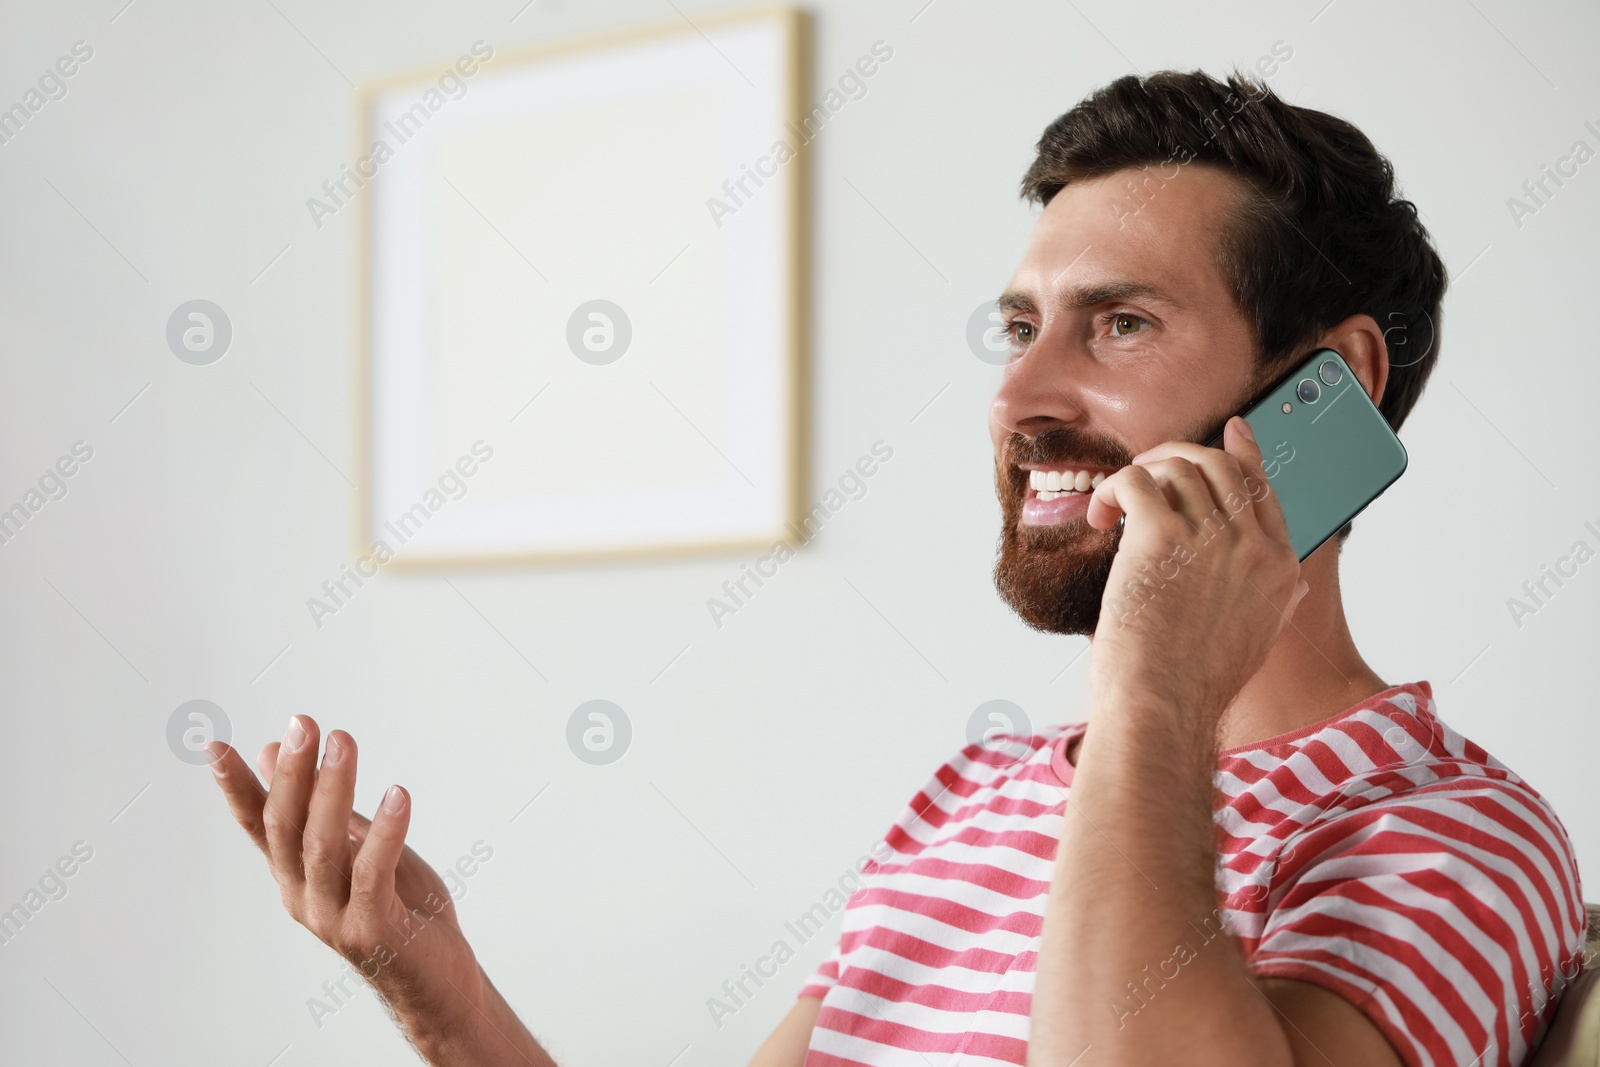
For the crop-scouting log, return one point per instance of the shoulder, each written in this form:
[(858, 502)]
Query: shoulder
[(998, 771), (1388, 756), (1438, 824), (1412, 784)]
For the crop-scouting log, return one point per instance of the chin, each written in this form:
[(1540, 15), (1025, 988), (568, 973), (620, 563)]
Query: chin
[(1055, 577)]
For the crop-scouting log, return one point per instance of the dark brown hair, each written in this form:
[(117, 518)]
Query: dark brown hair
[(1322, 235)]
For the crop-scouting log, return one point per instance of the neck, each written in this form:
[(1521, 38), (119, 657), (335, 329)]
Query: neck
[(1313, 670)]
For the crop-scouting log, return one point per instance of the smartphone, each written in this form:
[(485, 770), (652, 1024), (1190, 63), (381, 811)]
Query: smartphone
[(1325, 447)]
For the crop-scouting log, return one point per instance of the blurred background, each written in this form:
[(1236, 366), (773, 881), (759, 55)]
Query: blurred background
[(767, 753)]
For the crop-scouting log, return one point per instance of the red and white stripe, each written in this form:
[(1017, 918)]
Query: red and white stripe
[(1377, 854)]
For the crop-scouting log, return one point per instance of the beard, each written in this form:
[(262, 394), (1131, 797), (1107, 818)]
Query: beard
[(1053, 577)]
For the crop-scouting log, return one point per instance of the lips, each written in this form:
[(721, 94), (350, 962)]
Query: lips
[(1055, 495)]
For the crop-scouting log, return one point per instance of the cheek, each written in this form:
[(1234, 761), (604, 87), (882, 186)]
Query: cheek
[(1139, 406), (1169, 393), (1131, 420)]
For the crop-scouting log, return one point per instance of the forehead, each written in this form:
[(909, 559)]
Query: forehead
[(1156, 238)]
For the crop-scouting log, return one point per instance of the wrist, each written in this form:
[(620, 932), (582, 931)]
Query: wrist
[(1144, 703), (1138, 736), (478, 1030)]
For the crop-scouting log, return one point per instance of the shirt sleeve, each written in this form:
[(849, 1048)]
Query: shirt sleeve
[(1450, 915), (826, 976)]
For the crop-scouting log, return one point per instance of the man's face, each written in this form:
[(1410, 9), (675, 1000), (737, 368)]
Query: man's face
[(1124, 334)]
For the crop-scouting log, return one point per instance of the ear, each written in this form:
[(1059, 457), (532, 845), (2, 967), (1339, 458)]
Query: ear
[(1360, 341)]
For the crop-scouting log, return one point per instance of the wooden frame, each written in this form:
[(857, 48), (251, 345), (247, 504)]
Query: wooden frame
[(785, 215)]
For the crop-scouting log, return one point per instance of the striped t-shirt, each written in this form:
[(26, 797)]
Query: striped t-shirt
[(1377, 854)]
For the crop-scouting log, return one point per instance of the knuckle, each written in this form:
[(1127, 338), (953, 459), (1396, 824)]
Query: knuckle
[(364, 874), (1178, 466), (274, 821), (319, 851)]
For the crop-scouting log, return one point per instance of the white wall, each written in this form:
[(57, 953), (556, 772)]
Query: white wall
[(178, 565)]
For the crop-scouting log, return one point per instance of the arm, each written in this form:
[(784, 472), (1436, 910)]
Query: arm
[(361, 891), (1134, 884), (786, 1046)]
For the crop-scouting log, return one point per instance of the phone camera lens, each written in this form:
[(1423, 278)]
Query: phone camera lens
[(1308, 391), (1330, 372)]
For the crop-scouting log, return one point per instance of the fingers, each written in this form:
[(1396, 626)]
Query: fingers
[(1236, 487), (334, 866), (246, 798), (327, 842), (357, 829), (1301, 588), (1239, 441), (372, 873), (1170, 471), (266, 760), (1187, 489), (289, 800), (1131, 491)]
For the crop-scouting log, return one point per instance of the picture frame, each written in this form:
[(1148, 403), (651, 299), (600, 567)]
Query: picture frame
[(582, 297)]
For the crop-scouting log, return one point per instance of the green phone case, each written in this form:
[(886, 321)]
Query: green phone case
[(1327, 458)]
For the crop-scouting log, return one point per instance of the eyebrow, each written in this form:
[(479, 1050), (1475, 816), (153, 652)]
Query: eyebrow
[(1088, 296)]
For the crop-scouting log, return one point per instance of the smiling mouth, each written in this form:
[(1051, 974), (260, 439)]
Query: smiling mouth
[(1053, 484), (1059, 496)]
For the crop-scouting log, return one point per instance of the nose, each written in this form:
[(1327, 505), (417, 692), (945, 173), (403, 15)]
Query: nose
[(1036, 393)]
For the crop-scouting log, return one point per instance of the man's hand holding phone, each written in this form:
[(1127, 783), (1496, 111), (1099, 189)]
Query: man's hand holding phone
[(1203, 581), (362, 891)]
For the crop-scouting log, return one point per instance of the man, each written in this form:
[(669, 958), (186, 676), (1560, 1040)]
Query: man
[(1259, 852)]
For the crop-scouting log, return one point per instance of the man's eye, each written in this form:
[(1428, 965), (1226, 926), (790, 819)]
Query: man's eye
[(1021, 332), (1124, 324)]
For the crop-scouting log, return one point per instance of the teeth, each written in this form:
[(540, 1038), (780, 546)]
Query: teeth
[(1048, 485)]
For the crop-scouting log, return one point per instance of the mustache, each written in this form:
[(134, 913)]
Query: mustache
[(1063, 444)]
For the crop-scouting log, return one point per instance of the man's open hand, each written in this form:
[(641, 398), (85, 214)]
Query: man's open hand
[(351, 882), (1204, 579)]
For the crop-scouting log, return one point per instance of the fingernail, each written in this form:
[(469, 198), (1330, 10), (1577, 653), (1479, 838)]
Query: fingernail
[(295, 736), (393, 800), (1244, 427), (214, 752), (334, 753)]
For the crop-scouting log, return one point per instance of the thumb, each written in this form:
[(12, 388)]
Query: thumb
[(267, 761), (357, 828), (1302, 587)]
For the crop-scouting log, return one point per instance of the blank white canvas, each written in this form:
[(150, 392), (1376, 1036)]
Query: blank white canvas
[(549, 184)]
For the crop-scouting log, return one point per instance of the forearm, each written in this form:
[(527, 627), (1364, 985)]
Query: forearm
[(1133, 961), (488, 1035)]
